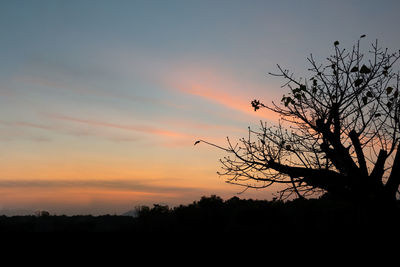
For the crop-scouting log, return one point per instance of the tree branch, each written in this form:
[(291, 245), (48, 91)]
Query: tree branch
[(360, 154), (325, 179)]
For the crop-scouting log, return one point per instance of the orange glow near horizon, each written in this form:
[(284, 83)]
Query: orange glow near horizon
[(81, 200), (84, 162)]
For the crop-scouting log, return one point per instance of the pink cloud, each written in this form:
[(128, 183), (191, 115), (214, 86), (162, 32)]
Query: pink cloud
[(220, 88), (221, 97)]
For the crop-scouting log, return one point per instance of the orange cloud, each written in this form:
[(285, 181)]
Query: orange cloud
[(220, 88), (222, 97)]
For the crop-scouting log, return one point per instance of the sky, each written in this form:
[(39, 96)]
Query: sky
[(102, 101)]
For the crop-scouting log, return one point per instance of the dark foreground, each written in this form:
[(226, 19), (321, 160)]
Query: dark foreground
[(212, 214)]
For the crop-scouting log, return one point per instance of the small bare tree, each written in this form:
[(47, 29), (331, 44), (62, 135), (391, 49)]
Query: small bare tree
[(338, 131)]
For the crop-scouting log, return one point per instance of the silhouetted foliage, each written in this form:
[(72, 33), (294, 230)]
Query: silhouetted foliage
[(338, 131), (42, 213), (214, 215)]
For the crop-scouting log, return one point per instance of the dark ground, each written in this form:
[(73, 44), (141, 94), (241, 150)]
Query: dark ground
[(214, 215)]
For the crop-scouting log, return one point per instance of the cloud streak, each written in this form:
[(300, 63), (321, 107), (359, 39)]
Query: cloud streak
[(68, 85), (218, 87), (113, 185), (221, 97), (137, 128), (29, 124)]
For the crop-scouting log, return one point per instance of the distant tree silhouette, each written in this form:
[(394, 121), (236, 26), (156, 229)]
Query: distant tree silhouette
[(338, 131), (42, 213), (212, 215)]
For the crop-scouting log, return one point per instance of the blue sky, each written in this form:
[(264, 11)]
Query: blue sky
[(99, 91)]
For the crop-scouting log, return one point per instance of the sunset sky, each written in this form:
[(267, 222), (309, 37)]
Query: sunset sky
[(102, 101)]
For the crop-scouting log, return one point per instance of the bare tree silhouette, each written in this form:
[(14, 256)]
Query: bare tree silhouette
[(338, 131)]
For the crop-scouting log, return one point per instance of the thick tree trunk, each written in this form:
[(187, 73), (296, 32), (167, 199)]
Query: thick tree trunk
[(360, 188)]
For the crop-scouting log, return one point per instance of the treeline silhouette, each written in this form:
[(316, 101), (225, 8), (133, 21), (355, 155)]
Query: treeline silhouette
[(213, 214)]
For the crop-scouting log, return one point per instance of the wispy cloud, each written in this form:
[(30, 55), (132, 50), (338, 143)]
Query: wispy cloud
[(114, 185), (184, 134), (218, 87), (200, 125), (28, 124), (10, 131), (137, 128), (14, 131), (219, 96), (84, 88)]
